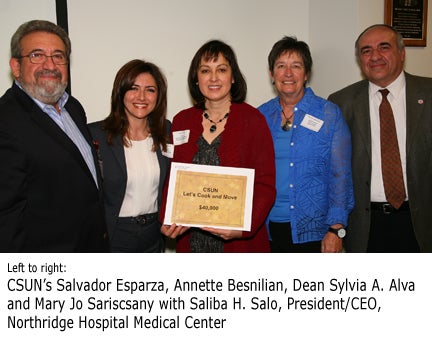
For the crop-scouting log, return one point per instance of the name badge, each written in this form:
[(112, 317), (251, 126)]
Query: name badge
[(169, 151), (181, 137), (312, 123)]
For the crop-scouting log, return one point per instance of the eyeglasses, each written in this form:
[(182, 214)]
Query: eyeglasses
[(40, 58)]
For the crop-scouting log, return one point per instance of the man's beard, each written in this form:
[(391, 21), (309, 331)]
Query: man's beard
[(48, 91)]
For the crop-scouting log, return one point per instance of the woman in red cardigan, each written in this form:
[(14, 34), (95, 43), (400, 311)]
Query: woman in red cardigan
[(224, 131)]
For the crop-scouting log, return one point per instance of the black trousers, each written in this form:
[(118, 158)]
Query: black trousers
[(391, 231), (131, 236), (282, 240)]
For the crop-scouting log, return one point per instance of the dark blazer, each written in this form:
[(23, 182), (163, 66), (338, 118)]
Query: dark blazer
[(114, 172), (354, 102), (49, 201)]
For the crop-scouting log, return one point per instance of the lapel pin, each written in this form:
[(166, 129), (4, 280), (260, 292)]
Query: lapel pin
[(420, 101)]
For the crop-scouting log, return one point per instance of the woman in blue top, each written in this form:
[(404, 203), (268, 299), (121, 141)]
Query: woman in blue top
[(313, 157)]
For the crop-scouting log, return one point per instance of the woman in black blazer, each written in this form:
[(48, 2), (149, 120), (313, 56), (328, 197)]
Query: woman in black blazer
[(132, 144)]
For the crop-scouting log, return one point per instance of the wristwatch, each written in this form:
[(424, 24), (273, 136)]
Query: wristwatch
[(338, 232)]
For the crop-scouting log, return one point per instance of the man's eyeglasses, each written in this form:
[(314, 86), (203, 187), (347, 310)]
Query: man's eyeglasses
[(40, 58)]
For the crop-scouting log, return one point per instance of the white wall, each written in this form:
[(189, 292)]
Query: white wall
[(168, 33), (333, 30), (107, 34)]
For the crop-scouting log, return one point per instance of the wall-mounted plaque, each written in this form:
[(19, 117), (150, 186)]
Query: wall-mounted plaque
[(409, 17)]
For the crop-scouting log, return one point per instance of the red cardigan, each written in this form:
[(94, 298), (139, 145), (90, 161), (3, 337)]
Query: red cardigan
[(246, 142)]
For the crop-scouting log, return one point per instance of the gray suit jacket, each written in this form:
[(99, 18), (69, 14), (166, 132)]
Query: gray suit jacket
[(113, 161), (354, 103)]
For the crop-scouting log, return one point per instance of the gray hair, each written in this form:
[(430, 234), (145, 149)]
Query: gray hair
[(399, 37), (38, 26)]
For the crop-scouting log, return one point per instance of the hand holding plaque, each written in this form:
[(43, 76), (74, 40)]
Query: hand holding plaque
[(210, 196)]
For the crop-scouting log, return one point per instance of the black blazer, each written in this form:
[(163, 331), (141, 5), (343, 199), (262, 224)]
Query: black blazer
[(113, 163), (49, 201)]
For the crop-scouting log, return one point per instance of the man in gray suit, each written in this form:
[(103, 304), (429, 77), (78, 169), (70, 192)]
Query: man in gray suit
[(377, 225)]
